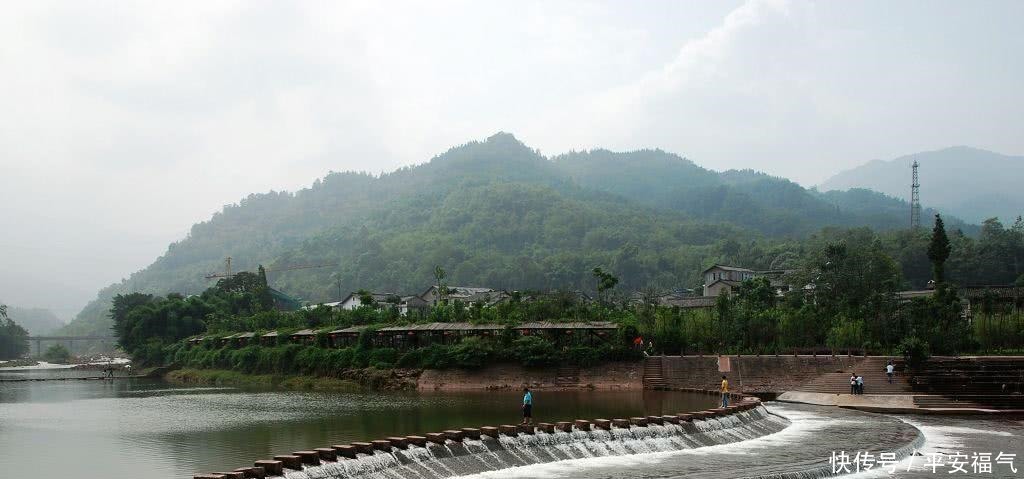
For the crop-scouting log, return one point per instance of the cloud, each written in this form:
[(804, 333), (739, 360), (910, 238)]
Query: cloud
[(125, 123)]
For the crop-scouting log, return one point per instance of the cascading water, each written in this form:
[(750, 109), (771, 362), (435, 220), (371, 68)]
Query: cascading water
[(472, 456)]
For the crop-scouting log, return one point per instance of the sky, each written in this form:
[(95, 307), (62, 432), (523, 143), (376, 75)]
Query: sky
[(126, 122)]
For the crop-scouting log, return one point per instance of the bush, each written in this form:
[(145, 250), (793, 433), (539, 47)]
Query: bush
[(584, 356), (471, 353), (383, 358), (914, 351), (57, 354), (534, 351)]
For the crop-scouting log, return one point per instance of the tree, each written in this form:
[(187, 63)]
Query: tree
[(13, 338), (442, 289), (938, 251), (57, 354), (605, 282)]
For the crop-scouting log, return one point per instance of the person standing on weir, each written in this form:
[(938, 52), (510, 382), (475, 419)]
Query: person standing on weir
[(527, 406), (889, 370), (725, 391)]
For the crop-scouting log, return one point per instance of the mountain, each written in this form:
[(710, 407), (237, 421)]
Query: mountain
[(36, 321), (496, 213), (966, 182)]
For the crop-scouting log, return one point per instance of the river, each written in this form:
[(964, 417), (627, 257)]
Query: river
[(130, 428)]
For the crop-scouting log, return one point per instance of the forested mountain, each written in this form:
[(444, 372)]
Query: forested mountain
[(966, 182), (496, 213), (36, 321)]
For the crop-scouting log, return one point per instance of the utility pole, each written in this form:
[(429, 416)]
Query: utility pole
[(915, 199)]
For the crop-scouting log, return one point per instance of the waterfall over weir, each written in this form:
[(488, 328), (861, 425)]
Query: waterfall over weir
[(471, 456)]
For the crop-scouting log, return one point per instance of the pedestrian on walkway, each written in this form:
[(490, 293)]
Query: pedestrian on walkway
[(853, 383), (527, 406), (889, 371), (725, 391), (860, 384)]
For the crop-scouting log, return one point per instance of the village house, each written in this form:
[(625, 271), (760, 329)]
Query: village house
[(465, 294), (720, 279)]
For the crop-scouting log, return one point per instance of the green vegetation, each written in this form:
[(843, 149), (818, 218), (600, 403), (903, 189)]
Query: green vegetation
[(57, 354), (847, 302), (13, 338), (498, 214)]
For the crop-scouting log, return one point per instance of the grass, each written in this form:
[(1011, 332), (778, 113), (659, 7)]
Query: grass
[(220, 377)]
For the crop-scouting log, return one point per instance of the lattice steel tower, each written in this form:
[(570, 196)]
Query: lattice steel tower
[(915, 199)]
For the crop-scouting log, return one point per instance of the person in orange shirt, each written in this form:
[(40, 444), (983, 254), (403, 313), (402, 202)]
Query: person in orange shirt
[(725, 391)]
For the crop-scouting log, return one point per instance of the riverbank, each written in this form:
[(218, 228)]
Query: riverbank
[(349, 380), (622, 376)]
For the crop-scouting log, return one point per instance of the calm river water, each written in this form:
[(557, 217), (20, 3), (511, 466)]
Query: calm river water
[(147, 428)]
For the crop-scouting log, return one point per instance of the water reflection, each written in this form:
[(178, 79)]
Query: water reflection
[(122, 427)]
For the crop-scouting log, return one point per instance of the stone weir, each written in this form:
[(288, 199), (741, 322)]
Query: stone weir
[(473, 450)]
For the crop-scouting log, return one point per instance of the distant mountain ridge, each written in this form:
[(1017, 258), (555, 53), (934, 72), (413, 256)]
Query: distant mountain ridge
[(496, 213), (969, 183), (37, 321)]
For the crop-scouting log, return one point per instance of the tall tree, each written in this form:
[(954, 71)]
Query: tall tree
[(938, 251), (13, 338)]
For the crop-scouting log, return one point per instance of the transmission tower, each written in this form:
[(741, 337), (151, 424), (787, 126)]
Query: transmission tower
[(915, 199)]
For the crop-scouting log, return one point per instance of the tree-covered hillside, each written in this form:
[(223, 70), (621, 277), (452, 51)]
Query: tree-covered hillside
[(37, 321), (496, 213)]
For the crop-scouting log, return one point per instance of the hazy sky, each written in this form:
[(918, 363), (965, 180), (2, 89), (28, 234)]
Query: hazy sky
[(125, 122)]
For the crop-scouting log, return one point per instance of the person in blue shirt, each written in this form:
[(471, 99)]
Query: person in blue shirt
[(527, 406)]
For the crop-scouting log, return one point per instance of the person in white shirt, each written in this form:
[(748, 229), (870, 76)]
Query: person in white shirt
[(889, 370)]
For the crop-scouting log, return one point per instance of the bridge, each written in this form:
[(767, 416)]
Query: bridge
[(68, 340)]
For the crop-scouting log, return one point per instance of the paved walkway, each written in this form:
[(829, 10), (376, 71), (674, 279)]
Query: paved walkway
[(884, 403)]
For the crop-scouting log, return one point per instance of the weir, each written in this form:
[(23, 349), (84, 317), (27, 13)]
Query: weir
[(474, 450)]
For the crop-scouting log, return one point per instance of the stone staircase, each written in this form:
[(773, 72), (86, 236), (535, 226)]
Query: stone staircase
[(875, 381), (654, 376), (984, 383)]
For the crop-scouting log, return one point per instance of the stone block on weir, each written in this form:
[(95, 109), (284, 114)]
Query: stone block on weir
[(252, 472), (289, 461), (490, 431), (436, 437), (454, 435), (509, 430), (602, 424), (308, 457), (363, 447), (546, 427), (346, 450), (416, 440), (582, 424), (327, 453), (471, 432), (271, 468), (564, 426), (231, 475)]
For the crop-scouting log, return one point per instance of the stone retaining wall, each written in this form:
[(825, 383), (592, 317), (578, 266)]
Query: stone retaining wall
[(751, 374), (609, 376)]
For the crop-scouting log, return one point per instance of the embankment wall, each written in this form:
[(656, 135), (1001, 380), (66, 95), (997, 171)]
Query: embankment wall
[(609, 376), (751, 374)]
